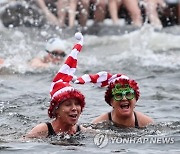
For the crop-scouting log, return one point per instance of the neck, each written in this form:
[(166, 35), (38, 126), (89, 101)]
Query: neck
[(127, 121), (61, 127)]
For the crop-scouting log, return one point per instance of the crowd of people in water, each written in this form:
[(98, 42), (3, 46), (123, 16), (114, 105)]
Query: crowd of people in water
[(68, 13)]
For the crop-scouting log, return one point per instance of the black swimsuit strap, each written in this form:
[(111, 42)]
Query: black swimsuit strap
[(136, 121), (135, 116), (109, 116), (51, 131), (78, 129)]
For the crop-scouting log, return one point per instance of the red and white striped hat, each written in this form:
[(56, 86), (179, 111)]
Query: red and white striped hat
[(103, 79), (61, 89)]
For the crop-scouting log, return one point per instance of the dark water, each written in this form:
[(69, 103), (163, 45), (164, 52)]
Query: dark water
[(150, 57)]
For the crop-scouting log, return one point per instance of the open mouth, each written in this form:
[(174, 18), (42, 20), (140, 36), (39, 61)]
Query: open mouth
[(74, 116), (125, 106)]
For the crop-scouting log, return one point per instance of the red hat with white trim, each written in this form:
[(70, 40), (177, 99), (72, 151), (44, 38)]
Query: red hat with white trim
[(103, 79), (61, 89)]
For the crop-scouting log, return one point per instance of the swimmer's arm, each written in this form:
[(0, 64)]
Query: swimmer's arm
[(143, 119), (87, 129), (148, 121), (39, 131), (101, 118), (38, 63)]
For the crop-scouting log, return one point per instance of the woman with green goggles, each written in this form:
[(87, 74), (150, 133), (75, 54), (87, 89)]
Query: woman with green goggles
[(122, 95)]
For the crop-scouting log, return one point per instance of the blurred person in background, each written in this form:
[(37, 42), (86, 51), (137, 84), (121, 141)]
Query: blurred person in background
[(49, 8), (151, 9), (56, 11), (131, 6), (55, 49), (98, 8), (67, 8)]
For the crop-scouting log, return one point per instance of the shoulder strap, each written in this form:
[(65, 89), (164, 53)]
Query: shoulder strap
[(109, 116), (78, 129), (136, 121), (50, 129)]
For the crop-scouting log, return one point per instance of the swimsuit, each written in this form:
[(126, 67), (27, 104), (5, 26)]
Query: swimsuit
[(136, 120), (51, 131)]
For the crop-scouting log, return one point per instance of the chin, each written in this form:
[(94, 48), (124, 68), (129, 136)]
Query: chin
[(126, 113), (72, 123)]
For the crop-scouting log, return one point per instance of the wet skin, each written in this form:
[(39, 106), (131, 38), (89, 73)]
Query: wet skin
[(69, 112), (124, 107)]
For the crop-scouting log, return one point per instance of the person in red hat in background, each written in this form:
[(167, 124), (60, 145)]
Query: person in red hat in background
[(55, 49), (66, 103), (122, 94)]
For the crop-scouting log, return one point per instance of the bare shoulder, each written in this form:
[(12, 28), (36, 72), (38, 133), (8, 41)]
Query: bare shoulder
[(41, 130), (101, 118), (38, 63), (143, 119)]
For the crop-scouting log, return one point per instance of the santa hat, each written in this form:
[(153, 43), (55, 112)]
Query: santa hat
[(61, 89), (103, 79), (55, 44)]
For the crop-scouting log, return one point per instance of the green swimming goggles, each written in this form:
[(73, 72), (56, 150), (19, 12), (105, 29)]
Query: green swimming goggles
[(120, 91)]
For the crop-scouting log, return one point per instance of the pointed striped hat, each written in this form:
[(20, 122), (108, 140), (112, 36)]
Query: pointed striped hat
[(103, 79), (61, 89)]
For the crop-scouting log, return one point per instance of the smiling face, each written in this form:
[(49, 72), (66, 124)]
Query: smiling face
[(124, 107), (122, 87), (69, 111)]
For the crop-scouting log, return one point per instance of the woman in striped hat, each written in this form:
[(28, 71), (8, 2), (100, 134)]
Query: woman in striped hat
[(122, 94), (66, 102)]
